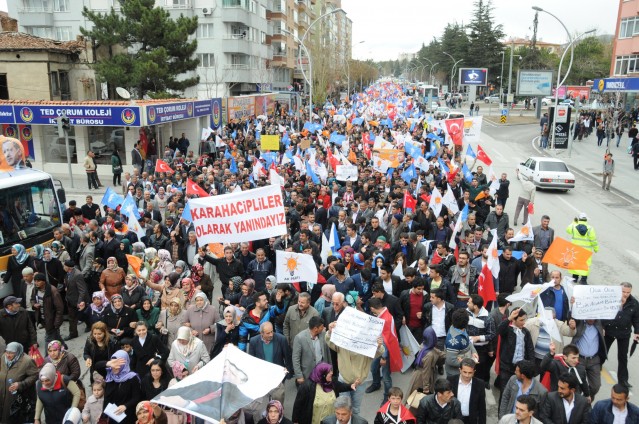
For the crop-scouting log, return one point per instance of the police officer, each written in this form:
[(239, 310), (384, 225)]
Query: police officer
[(583, 234)]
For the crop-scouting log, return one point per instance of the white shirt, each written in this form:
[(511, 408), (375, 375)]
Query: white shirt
[(463, 395), (388, 286), (568, 407), (620, 416), (439, 320)]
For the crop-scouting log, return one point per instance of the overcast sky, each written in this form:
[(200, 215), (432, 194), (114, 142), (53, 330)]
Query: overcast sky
[(391, 27)]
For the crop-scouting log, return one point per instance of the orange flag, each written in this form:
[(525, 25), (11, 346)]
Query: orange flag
[(567, 255), (135, 262), (391, 155), (216, 249)]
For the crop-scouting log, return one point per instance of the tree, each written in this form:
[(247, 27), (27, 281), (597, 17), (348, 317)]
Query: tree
[(484, 37), (147, 52)]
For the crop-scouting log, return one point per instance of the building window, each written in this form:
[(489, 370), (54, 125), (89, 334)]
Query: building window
[(44, 32), (179, 4), (4, 87), (629, 27), (207, 60), (205, 31), (54, 84), (625, 65), (61, 5), (65, 88), (63, 33)]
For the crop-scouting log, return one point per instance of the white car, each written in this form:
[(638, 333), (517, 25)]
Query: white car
[(492, 99), (547, 172)]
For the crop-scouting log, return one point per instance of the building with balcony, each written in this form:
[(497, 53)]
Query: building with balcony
[(232, 37), (625, 46)]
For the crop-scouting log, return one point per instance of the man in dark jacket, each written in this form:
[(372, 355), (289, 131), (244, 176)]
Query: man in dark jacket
[(430, 317), (473, 407), (272, 347), (602, 413), (430, 407), (516, 344), (49, 307), (77, 296), (566, 363), (509, 270), (15, 324), (620, 329), (226, 267), (553, 410)]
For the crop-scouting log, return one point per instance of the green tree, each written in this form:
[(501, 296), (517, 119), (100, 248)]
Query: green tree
[(484, 37), (142, 48), (592, 60)]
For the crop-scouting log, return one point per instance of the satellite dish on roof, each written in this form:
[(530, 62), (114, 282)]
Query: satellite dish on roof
[(123, 92)]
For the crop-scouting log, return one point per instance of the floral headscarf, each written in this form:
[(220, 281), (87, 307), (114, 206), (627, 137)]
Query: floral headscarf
[(114, 263), (184, 333), (51, 255), (276, 404), (194, 273), (177, 368), (113, 308), (177, 301), (105, 302), (21, 253)]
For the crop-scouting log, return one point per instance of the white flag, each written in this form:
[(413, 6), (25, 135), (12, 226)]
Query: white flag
[(219, 142), (295, 267), (450, 202), (493, 255), (494, 184), (436, 200), (548, 321), (529, 292), (326, 249), (206, 132), (525, 233), (275, 178), (399, 271)]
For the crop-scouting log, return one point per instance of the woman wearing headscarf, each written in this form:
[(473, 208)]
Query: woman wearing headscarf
[(169, 290), (326, 299), (188, 350), (202, 318), (122, 387), (315, 396), (120, 254), (52, 389), (149, 314), (171, 319), (132, 292), (64, 362), (112, 278), (426, 362), (149, 413), (274, 414), (98, 308), (243, 299), (119, 318), (182, 269), (18, 261), (190, 291), (165, 266), (227, 331), (51, 267), (18, 373), (202, 280), (98, 349)]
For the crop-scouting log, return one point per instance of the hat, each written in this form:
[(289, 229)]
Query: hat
[(399, 217), (10, 300), (382, 238), (582, 215), (40, 277), (69, 263), (359, 259), (26, 271)]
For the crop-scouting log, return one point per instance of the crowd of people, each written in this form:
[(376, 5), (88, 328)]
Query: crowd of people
[(156, 320)]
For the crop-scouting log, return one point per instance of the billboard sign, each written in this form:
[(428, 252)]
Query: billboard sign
[(79, 115), (473, 76), (534, 83)]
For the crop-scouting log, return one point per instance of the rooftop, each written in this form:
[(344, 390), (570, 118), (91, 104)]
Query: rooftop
[(148, 102), (19, 41)]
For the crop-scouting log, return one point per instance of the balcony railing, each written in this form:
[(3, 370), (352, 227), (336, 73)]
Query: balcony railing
[(236, 66), (234, 4), (36, 9)]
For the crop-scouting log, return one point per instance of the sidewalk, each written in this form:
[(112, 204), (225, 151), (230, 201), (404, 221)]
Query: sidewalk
[(79, 192), (587, 159)]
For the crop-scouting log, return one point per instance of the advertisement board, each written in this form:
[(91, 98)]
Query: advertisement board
[(562, 126), (216, 113), (581, 92), (240, 107), (107, 116), (534, 83), (473, 76)]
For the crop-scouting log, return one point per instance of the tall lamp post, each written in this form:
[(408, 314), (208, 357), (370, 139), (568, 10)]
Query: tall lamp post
[(310, 67), (430, 74), (501, 78), (451, 71)]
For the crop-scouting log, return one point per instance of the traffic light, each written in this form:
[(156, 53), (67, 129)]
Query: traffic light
[(64, 124)]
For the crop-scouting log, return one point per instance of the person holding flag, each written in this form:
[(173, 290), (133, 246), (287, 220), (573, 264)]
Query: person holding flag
[(391, 360)]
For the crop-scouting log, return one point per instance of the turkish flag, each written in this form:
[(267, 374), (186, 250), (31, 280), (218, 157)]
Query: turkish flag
[(531, 208), (452, 175), (409, 201), (482, 156), (161, 166), (486, 287), (193, 189), (332, 160), (455, 128)]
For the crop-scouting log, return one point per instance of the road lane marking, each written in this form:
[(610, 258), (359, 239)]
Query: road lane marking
[(633, 254), (608, 377), (569, 205)]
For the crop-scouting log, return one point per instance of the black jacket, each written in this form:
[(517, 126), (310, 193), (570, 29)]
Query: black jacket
[(429, 411), (627, 318), (509, 271), (507, 348), (394, 307), (303, 406), (281, 353), (224, 269), (477, 402), (555, 367), (18, 328), (153, 348), (404, 301), (552, 410), (427, 315)]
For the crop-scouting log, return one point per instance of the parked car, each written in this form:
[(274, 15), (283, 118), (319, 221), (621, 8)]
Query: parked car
[(492, 99), (58, 147), (548, 173)]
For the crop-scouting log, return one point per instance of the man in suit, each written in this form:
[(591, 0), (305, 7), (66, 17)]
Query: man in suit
[(409, 222), (543, 234), (111, 244), (77, 296), (419, 249), (352, 239), (566, 406), (403, 246), (343, 413), (86, 254), (321, 214), (471, 393), (309, 349), (273, 348)]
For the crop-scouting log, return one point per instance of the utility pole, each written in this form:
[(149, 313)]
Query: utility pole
[(510, 71), (64, 125)]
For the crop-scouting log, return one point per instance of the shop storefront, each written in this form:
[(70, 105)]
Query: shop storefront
[(623, 91)]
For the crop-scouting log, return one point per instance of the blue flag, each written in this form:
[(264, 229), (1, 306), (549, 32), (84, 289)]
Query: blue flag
[(387, 122), (357, 121), (470, 152), (412, 126), (227, 154), (111, 198), (186, 213), (389, 172), (337, 138), (313, 175), (443, 166), (413, 150), (308, 126), (129, 208), (464, 213), (468, 176), (233, 167), (286, 139), (432, 152), (409, 174), (234, 134), (517, 254)]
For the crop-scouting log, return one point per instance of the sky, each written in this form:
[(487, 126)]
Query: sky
[(401, 26), (392, 27)]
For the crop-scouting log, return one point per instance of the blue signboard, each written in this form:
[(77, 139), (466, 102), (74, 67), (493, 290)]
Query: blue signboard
[(80, 115), (602, 85), (168, 112), (6, 115), (216, 115), (202, 107), (473, 76)]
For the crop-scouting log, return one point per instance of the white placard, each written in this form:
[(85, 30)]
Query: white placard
[(472, 128), (596, 302), (357, 332), (241, 216), (346, 172)]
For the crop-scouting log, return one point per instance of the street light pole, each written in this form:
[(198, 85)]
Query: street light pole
[(501, 78), (451, 71), (310, 66), (430, 75)]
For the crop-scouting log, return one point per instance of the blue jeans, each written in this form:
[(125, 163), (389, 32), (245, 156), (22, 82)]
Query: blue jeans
[(386, 375), (355, 395)]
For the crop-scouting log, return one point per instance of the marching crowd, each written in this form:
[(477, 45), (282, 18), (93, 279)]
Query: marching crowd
[(152, 316)]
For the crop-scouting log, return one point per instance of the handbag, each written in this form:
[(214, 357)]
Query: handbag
[(34, 353), (414, 398), (117, 169)]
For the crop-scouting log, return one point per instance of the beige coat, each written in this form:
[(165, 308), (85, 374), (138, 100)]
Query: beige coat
[(295, 324), (89, 164), (425, 375), (201, 320), (532, 325), (24, 372), (93, 409)]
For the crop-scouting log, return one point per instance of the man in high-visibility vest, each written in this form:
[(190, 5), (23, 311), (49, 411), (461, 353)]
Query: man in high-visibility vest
[(583, 234)]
